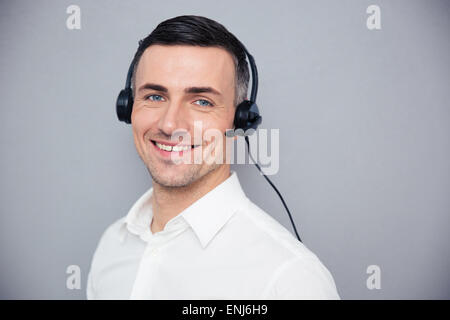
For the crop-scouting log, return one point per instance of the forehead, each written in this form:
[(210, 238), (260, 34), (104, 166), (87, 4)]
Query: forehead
[(183, 66)]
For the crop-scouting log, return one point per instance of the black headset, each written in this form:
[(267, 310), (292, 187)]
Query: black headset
[(246, 116)]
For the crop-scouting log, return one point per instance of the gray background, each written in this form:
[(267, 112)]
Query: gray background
[(364, 128)]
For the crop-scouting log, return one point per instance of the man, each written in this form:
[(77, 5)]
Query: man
[(195, 234)]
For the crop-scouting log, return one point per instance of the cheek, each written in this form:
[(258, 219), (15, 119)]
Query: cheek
[(228, 121), (142, 120), (221, 122), (213, 130)]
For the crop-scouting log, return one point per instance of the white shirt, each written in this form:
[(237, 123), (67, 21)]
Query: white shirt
[(221, 247)]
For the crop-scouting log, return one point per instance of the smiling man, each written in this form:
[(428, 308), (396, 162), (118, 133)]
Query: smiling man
[(195, 234)]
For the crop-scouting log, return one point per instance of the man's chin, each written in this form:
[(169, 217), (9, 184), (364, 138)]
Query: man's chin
[(173, 177)]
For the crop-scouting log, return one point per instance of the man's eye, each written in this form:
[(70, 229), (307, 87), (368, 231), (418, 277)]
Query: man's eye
[(157, 97), (207, 103), (153, 95)]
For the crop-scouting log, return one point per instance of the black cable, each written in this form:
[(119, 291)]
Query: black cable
[(273, 186)]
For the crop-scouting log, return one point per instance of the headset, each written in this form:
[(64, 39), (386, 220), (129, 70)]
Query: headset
[(246, 116)]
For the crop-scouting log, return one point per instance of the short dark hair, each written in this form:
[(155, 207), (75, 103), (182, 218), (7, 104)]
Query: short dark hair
[(199, 31)]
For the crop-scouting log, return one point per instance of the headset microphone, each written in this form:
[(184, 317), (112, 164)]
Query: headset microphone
[(246, 116)]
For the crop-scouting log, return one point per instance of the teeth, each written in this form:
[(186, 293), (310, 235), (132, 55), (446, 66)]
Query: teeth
[(180, 148), (170, 148)]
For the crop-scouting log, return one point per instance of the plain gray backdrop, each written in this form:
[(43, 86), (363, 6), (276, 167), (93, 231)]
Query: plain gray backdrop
[(363, 118)]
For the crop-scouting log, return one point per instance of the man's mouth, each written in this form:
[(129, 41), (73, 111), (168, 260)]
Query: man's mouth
[(174, 148)]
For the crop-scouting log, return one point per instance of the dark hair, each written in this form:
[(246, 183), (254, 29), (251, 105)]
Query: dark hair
[(199, 31)]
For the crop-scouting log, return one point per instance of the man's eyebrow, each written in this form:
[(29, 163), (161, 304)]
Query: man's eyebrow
[(152, 86), (202, 89), (157, 87)]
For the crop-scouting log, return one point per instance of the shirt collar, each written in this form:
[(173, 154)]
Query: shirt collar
[(206, 216)]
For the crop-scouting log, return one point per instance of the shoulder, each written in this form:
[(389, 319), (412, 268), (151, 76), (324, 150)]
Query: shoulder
[(296, 272), (111, 236), (257, 226), (301, 279), (106, 246)]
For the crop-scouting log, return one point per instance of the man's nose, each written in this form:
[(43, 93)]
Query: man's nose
[(174, 117)]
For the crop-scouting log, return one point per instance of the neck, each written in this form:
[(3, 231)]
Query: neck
[(169, 202)]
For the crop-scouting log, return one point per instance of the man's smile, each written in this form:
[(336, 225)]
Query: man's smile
[(172, 146), (167, 148)]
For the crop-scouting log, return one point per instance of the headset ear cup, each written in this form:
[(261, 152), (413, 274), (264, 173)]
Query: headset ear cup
[(240, 116), (254, 119), (124, 105), (247, 116)]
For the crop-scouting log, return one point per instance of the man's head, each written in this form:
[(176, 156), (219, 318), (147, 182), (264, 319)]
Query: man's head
[(190, 69), (199, 31)]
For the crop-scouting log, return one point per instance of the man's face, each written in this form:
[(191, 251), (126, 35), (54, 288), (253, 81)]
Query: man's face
[(158, 113)]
